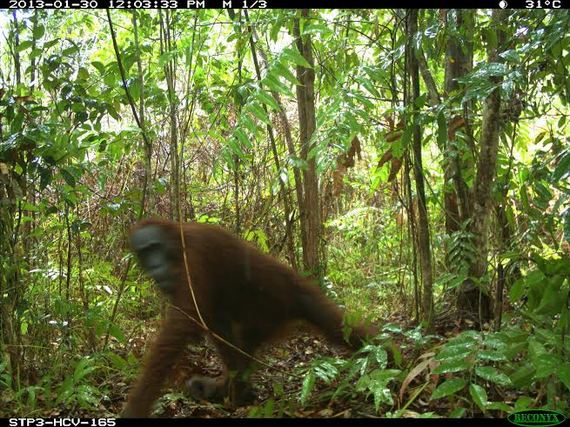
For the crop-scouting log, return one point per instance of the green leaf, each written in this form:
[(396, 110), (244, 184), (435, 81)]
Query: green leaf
[(494, 356), (553, 299), (249, 124), (70, 50), (267, 99), (275, 85), (51, 43), (523, 402), (381, 395), (117, 333), (35, 53), (479, 395), (564, 374), (68, 177), (546, 365), (166, 57), (517, 290), (448, 388), (99, 66), (82, 369), (117, 361), (242, 137), (284, 71), (454, 352), (510, 55), (499, 406), (493, 375), (562, 170), (293, 55), (24, 45), (456, 365), (308, 386), (259, 113), (39, 31), (236, 148), (457, 413), (420, 101)]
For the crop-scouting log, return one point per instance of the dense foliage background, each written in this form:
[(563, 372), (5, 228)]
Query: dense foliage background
[(416, 162)]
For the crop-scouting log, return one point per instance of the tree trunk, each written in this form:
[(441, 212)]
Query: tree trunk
[(424, 249), (310, 209), (473, 299), (169, 72), (458, 62)]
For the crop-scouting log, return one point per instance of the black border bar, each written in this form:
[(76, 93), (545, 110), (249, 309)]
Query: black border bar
[(288, 4)]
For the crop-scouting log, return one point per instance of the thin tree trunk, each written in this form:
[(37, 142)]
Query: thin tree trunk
[(167, 45), (9, 277), (413, 236), (138, 120), (423, 220), (310, 215), (146, 143)]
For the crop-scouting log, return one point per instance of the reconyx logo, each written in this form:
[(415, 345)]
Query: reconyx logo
[(536, 417)]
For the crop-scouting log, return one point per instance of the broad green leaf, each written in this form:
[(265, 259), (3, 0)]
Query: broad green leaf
[(284, 71), (453, 352), (249, 124), (448, 388), (51, 43), (494, 356), (546, 365), (68, 177), (36, 52), (39, 31), (82, 369), (242, 137), (99, 66), (564, 374), (70, 50), (293, 55), (523, 376), (24, 45), (236, 148), (493, 375), (457, 365), (275, 85), (467, 338), (517, 289), (381, 395), (523, 402), (554, 298), (479, 395), (117, 333), (259, 113), (117, 361), (562, 170), (267, 99)]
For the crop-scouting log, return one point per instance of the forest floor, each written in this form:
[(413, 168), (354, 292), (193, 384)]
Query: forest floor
[(281, 363)]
